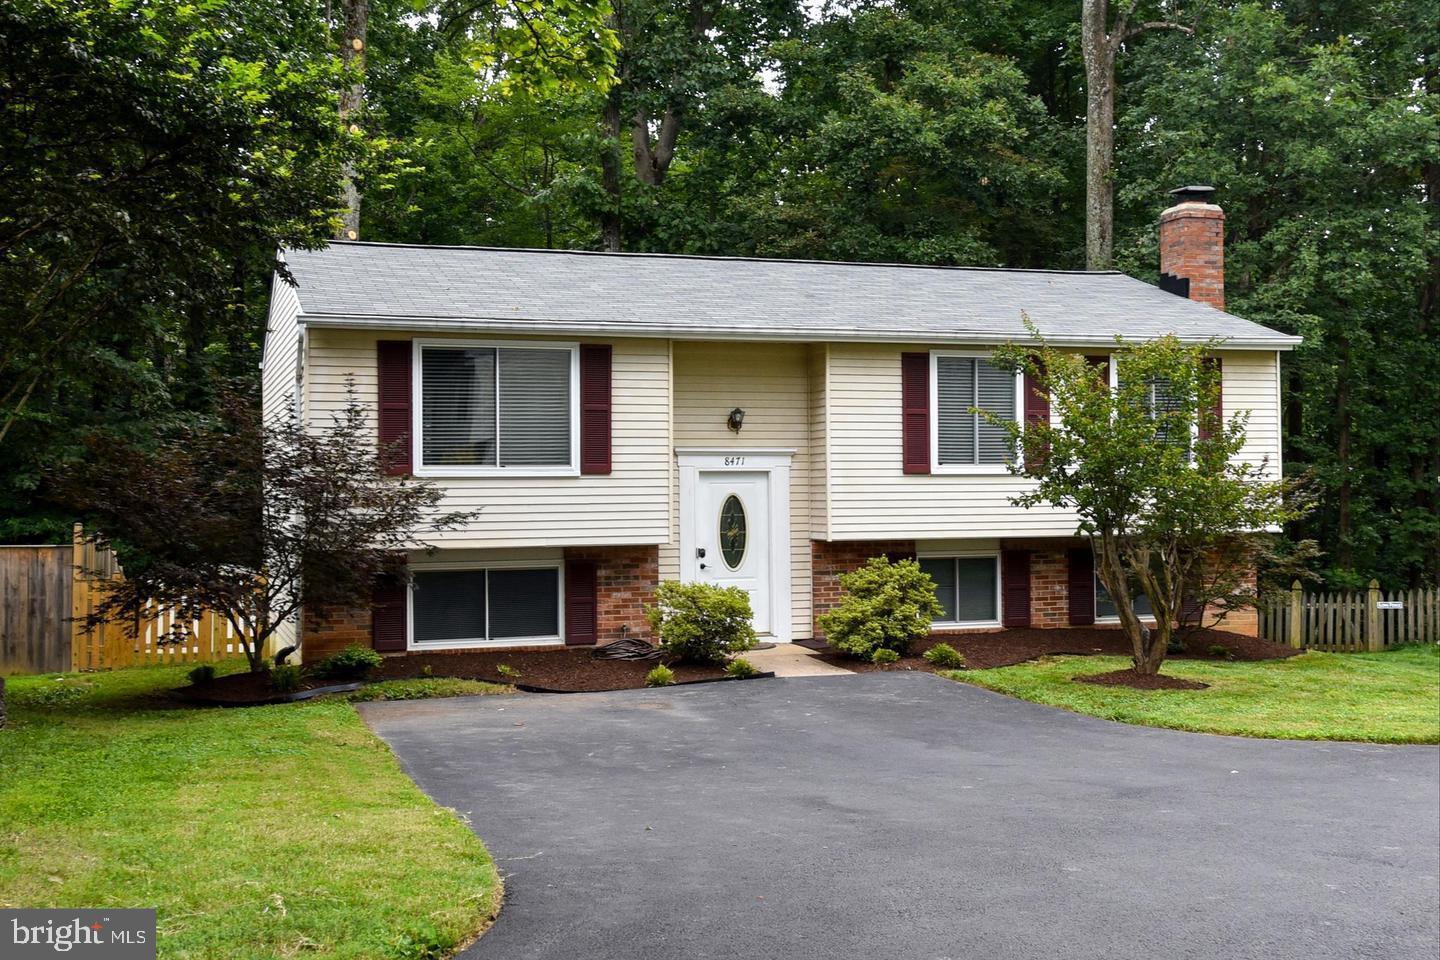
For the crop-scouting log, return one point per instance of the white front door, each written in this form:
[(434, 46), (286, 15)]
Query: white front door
[(730, 533)]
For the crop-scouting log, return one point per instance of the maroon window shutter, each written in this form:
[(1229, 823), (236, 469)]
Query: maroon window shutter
[(581, 606), (1037, 405), (1015, 588), (1082, 586), (394, 372), (915, 411), (388, 614), (1219, 408), (595, 409)]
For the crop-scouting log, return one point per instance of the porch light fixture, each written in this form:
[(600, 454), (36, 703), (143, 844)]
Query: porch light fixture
[(736, 419)]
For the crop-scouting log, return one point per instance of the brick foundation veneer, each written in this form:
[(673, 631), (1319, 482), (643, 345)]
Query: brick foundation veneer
[(625, 581), (830, 558), (1049, 589), (330, 630)]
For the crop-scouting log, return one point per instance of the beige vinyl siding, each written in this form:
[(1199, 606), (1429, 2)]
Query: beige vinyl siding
[(1250, 382), (279, 383), (871, 498), (819, 443), (771, 383), (629, 506), (279, 372)]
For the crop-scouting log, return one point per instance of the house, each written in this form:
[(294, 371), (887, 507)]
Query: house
[(619, 419)]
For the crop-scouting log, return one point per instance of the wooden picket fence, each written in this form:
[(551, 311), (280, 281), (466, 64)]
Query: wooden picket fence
[(161, 634), (1350, 622)]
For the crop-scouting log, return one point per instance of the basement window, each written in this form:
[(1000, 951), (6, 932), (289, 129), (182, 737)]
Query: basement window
[(500, 606), (968, 588), (1105, 604)]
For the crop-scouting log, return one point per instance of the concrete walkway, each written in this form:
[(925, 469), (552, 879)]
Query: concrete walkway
[(900, 816), (792, 660)]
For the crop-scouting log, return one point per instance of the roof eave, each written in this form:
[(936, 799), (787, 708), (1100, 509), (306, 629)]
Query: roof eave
[(1277, 341)]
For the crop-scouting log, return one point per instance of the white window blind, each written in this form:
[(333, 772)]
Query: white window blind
[(495, 407), (963, 384)]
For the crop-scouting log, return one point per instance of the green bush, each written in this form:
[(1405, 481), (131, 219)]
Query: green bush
[(660, 676), (285, 678), (884, 655), (700, 622), (1219, 650), (353, 663), (201, 675), (507, 671), (945, 657), (886, 606), (741, 669)]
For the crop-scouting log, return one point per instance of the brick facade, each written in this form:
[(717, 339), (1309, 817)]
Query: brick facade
[(332, 629), (1192, 245), (830, 558), (1049, 589), (625, 581)]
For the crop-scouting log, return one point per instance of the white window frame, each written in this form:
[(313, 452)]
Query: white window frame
[(558, 639), (1095, 605), (978, 469), (968, 555), (417, 411), (1113, 360)]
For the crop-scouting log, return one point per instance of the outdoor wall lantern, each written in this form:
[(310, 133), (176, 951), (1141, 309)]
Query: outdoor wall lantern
[(737, 419)]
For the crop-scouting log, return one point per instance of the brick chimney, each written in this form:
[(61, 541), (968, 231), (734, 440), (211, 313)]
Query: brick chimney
[(1192, 246)]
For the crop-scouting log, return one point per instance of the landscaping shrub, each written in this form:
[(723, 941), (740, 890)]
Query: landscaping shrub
[(700, 622), (884, 655), (741, 669), (660, 676), (1219, 650), (201, 675), (285, 678), (353, 663), (945, 657), (886, 606), (507, 671)]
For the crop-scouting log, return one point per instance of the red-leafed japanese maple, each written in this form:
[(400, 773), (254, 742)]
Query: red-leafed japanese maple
[(254, 519)]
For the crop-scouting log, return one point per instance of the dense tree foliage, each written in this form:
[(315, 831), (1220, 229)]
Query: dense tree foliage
[(911, 130)]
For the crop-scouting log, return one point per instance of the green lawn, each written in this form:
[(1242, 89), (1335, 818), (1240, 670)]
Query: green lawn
[(1391, 697), (258, 833)]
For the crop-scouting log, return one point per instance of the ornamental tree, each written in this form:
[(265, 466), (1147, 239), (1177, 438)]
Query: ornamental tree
[(254, 519), (1155, 475)]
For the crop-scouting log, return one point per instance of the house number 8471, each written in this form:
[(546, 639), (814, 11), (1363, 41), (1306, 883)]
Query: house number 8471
[(734, 461)]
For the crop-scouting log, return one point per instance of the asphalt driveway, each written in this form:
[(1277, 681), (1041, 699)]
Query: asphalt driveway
[(904, 816)]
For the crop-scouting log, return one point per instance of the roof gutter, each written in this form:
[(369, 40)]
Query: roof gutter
[(640, 329)]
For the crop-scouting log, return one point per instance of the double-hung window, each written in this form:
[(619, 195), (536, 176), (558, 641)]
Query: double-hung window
[(968, 589), (1160, 401), (484, 607), (496, 408), (964, 440), (1105, 604)]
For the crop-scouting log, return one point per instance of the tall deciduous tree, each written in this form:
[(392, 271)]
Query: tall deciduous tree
[(354, 24), (1102, 38), (1152, 472)]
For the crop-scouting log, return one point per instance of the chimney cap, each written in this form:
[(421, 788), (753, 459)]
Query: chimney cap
[(1195, 192)]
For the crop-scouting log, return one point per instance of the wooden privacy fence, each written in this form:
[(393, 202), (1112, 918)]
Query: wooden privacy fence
[(1352, 621), (48, 593)]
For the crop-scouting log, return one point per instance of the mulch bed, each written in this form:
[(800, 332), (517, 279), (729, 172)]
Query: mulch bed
[(558, 669), (1141, 681), (252, 689), (1004, 648)]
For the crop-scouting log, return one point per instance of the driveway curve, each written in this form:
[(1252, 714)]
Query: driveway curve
[(891, 815)]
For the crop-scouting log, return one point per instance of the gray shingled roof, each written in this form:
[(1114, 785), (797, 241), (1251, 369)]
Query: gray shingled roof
[(349, 284)]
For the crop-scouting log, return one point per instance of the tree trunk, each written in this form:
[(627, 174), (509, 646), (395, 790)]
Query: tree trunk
[(352, 101), (1344, 555), (1099, 50), (610, 174)]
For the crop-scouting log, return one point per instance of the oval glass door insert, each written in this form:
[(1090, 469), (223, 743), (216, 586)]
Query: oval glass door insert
[(732, 531)]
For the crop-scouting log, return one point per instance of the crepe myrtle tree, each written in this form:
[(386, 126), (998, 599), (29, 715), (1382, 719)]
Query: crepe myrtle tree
[(1152, 470), (254, 519)]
